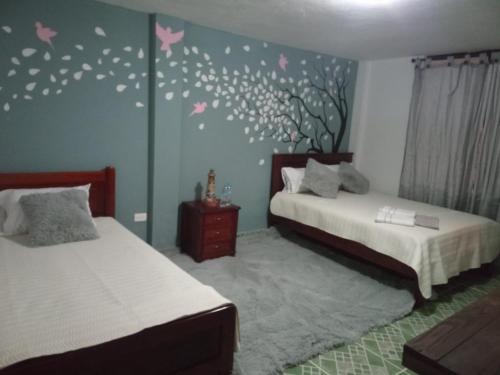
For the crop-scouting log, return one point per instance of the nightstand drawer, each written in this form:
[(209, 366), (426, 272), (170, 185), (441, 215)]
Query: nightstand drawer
[(222, 219), (218, 249), (217, 235)]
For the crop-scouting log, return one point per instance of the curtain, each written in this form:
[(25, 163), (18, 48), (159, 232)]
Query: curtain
[(452, 154)]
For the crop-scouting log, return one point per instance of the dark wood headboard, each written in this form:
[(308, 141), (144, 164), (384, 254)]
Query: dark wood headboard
[(102, 189), (300, 161)]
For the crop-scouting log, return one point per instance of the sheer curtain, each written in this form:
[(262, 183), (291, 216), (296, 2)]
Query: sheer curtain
[(452, 154)]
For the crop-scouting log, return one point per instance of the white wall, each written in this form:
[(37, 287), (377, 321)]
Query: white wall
[(379, 122)]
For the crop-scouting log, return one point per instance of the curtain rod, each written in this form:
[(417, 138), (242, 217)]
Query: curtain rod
[(459, 55)]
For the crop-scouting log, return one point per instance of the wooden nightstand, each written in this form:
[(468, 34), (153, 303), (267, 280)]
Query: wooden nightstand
[(208, 232)]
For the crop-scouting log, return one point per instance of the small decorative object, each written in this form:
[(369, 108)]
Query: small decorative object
[(225, 198), (210, 198)]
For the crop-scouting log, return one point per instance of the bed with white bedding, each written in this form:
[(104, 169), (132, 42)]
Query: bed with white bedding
[(109, 305), (425, 256), (463, 242)]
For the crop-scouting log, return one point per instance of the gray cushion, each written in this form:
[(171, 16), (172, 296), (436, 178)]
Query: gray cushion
[(321, 180), (55, 218), (352, 180)]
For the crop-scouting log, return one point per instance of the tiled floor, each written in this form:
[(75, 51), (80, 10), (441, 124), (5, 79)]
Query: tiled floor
[(379, 351)]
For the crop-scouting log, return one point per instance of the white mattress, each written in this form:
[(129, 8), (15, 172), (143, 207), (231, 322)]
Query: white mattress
[(65, 297), (463, 242)]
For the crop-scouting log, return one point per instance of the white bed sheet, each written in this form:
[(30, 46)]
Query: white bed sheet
[(65, 297), (463, 242)]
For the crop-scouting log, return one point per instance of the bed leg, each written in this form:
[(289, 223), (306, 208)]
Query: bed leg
[(419, 298)]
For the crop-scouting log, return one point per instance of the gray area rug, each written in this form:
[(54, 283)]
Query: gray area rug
[(296, 299)]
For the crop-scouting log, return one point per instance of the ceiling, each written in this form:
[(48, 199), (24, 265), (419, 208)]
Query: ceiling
[(359, 29)]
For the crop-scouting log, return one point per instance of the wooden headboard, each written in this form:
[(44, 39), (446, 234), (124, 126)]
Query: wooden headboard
[(102, 189), (300, 161)]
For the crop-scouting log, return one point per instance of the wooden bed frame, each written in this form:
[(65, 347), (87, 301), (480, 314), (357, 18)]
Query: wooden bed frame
[(198, 344), (351, 248)]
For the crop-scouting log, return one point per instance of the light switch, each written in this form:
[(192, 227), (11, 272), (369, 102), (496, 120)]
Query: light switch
[(141, 216)]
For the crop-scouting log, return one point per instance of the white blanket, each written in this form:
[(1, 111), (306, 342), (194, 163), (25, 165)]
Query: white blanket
[(463, 242), (65, 297)]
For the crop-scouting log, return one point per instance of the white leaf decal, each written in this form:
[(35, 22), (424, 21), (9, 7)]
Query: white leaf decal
[(261, 162), (169, 95), (6, 107), (116, 59), (53, 78), (137, 86), (79, 47), (33, 71), (63, 71), (140, 54), (46, 56), (247, 129), (127, 49), (251, 140), (27, 52), (186, 50), (139, 105), (86, 67), (64, 82), (100, 76), (230, 118), (78, 75), (185, 94), (161, 84), (195, 50), (99, 31), (66, 58), (46, 92), (7, 29), (121, 87), (246, 48), (159, 74), (201, 126), (106, 51), (15, 61), (173, 63), (265, 44), (11, 73), (215, 103), (30, 86), (131, 76), (228, 50)]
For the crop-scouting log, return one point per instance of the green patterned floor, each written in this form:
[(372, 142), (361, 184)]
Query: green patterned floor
[(379, 352)]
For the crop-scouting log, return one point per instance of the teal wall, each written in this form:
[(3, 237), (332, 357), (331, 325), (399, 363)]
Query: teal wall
[(138, 115)]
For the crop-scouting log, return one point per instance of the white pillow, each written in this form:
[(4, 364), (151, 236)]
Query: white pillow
[(292, 178), (16, 222)]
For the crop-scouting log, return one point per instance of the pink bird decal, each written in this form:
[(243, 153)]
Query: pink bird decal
[(283, 62), (167, 37), (199, 108), (45, 34)]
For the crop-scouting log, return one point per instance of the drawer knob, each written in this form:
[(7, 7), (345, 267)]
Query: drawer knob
[(218, 218), (217, 233)]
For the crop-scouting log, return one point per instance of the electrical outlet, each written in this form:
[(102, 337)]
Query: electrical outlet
[(140, 217)]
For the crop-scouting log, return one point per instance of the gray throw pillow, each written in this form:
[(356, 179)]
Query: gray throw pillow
[(352, 180), (321, 180), (55, 218)]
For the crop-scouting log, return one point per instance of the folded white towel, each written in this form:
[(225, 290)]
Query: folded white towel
[(398, 211), (396, 216)]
